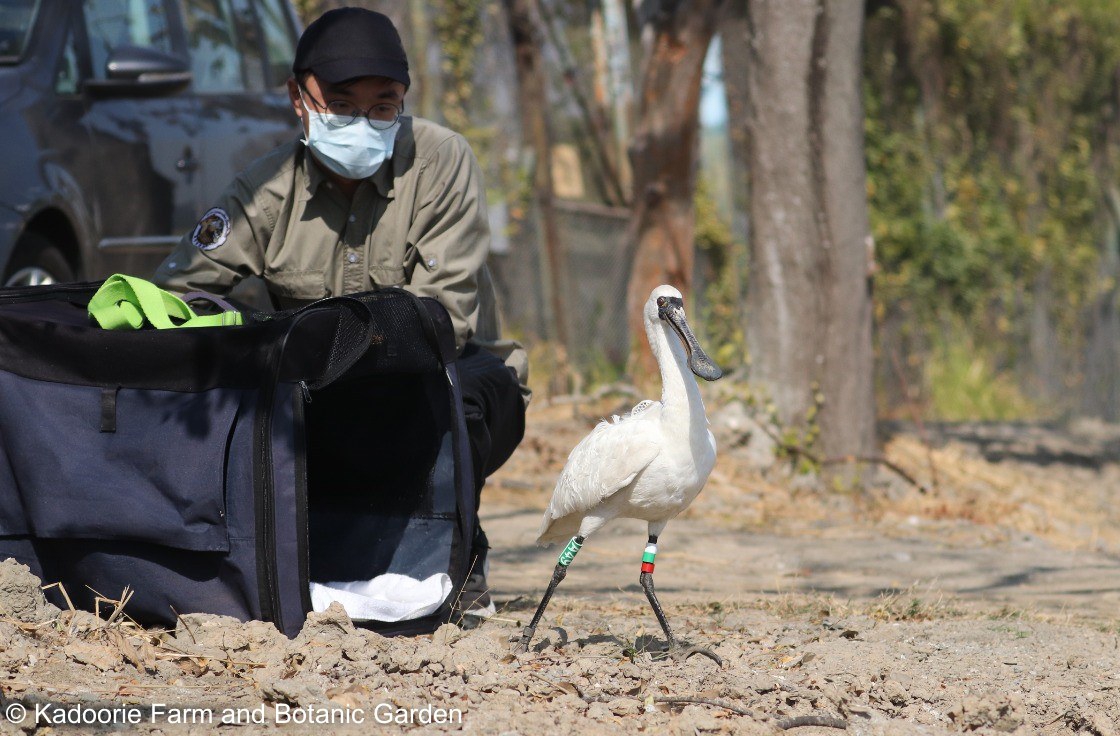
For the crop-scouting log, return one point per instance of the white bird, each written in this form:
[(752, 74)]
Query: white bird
[(649, 464)]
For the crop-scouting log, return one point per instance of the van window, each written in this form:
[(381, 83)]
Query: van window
[(212, 40), (110, 23), (68, 74), (249, 43), (279, 38), (15, 27)]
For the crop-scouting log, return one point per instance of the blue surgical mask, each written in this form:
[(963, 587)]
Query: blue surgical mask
[(354, 151)]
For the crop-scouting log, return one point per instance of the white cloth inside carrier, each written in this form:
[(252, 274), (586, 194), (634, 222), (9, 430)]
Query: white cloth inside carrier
[(388, 598)]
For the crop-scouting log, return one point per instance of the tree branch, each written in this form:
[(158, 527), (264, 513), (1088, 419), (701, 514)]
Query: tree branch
[(800, 721), (844, 459), (706, 701)]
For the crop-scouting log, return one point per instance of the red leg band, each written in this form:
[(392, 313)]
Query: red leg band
[(647, 567)]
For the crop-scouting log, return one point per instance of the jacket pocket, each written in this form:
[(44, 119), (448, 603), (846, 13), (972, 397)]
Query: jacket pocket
[(81, 462), (297, 284), (387, 275)]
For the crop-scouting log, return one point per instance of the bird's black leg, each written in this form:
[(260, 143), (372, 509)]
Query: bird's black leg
[(676, 650), (558, 574)]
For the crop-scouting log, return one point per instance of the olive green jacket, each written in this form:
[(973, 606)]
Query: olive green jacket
[(420, 222)]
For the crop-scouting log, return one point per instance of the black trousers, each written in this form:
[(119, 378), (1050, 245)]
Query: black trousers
[(495, 416)]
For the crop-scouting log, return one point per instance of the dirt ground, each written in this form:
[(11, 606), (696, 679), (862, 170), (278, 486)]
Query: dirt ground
[(978, 596)]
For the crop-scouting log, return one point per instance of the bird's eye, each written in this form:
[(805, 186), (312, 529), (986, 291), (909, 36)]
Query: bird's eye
[(661, 301)]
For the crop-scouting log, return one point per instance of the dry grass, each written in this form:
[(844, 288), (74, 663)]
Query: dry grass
[(912, 604), (1070, 507)]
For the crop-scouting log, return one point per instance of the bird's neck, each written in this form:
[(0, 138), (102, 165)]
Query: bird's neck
[(679, 392)]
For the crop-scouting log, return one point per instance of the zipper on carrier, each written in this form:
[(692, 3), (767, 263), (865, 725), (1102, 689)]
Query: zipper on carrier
[(303, 537), (39, 293), (266, 519)]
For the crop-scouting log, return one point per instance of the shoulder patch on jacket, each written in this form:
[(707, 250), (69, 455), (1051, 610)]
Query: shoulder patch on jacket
[(212, 230)]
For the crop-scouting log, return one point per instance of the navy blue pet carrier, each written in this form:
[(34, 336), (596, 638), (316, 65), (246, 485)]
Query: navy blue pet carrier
[(227, 469)]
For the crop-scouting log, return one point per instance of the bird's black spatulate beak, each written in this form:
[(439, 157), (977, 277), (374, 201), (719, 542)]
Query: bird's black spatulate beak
[(671, 309)]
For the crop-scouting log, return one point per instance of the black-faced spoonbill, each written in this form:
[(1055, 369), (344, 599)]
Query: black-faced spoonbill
[(647, 465)]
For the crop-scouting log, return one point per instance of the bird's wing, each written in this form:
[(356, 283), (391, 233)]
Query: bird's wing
[(604, 462)]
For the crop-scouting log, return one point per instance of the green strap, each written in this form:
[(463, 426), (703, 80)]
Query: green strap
[(126, 302)]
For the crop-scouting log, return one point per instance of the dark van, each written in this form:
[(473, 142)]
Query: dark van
[(121, 121)]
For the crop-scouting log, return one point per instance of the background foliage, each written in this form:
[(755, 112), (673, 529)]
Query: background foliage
[(992, 143), (989, 146)]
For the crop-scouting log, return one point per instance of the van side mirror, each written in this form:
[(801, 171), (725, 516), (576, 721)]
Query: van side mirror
[(140, 70)]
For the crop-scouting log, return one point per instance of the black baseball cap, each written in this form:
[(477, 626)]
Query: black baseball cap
[(346, 43)]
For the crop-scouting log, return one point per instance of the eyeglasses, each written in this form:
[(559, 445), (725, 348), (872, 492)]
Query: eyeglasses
[(381, 116)]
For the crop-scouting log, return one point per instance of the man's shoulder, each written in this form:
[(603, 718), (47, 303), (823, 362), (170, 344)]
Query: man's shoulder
[(276, 165), (431, 137)]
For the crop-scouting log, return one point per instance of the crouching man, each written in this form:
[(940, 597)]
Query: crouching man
[(369, 198)]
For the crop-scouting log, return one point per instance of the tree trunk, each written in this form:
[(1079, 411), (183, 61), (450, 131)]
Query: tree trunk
[(1101, 391), (924, 55), (663, 155), (532, 86), (621, 83), (809, 297), (735, 50), (1100, 394)]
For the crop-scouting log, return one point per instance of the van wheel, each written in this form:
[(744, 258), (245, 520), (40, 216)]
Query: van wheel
[(37, 261)]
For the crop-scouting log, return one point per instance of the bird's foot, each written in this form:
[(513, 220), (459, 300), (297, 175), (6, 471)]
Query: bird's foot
[(680, 652), (522, 645)]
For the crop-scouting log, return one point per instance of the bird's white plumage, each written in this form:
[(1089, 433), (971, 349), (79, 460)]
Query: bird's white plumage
[(649, 464)]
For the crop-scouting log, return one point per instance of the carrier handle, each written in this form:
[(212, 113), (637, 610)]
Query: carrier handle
[(205, 296)]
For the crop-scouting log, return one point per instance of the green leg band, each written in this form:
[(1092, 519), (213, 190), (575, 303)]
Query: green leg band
[(569, 552)]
